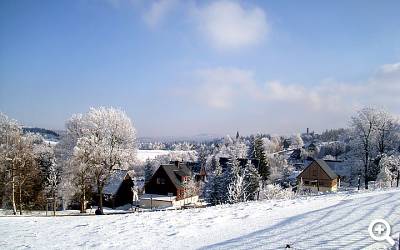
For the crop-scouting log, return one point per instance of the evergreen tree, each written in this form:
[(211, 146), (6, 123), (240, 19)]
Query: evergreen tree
[(252, 179), (148, 171), (202, 155), (259, 154), (215, 184), (251, 150), (237, 189), (231, 177)]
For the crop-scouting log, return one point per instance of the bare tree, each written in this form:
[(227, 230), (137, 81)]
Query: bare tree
[(52, 183), (364, 125), (10, 135), (385, 131)]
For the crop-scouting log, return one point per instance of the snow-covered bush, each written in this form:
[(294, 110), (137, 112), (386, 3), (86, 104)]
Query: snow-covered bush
[(237, 189), (296, 141), (329, 158), (279, 167), (274, 191), (389, 167)]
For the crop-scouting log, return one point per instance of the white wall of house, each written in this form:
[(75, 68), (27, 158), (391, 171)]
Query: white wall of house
[(160, 201)]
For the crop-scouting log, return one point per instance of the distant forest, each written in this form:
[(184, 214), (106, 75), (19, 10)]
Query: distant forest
[(46, 133)]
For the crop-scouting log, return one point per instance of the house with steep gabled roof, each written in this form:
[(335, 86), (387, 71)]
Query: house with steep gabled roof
[(169, 179), (318, 177), (168, 186)]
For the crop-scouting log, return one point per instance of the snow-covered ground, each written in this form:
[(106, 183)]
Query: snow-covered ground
[(337, 221)]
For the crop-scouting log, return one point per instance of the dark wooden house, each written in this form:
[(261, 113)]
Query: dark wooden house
[(118, 190), (318, 176), (169, 180)]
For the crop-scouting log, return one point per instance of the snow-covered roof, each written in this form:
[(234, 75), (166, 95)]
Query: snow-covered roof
[(327, 169), (115, 181)]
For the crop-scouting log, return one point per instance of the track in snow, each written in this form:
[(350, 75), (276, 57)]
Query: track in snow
[(343, 226)]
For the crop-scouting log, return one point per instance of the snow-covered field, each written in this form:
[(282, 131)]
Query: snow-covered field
[(143, 154), (338, 221)]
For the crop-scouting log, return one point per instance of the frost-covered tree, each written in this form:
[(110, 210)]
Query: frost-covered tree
[(296, 141), (213, 190), (272, 145), (52, 183), (24, 171), (237, 188), (76, 176), (10, 135), (80, 176), (386, 135), (385, 176), (280, 169), (235, 147), (251, 149), (202, 153), (18, 165), (228, 176), (364, 132), (275, 191), (259, 154), (109, 139), (191, 188), (390, 166), (182, 146), (375, 133), (215, 184), (252, 179)]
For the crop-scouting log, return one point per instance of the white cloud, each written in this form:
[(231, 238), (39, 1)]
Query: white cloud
[(233, 99), (158, 11), (226, 25), (221, 87), (228, 87), (230, 25), (390, 68)]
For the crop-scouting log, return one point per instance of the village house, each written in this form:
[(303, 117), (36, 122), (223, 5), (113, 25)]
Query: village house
[(311, 148), (168, 187), (118, 190), (318, 177)]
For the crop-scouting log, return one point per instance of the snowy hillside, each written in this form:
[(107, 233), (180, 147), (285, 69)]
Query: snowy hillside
[(330, 221)]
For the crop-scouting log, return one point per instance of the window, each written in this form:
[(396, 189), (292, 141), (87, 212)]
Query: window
[(306, 182), (160, 181)]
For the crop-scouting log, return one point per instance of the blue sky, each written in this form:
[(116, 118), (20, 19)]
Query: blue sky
[(189, 67)]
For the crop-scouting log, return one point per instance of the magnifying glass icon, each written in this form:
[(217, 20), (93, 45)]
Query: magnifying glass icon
[(379, 230)]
